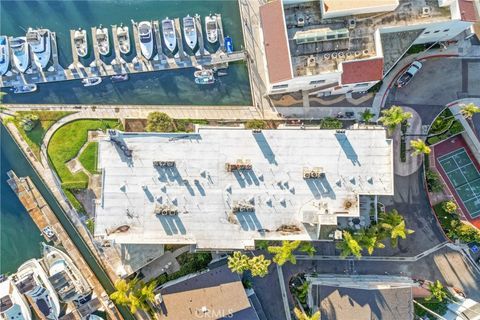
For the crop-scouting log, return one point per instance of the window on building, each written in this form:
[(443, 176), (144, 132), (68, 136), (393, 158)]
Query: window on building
[(280, 86), (446, 30), (361, 85), (317, 81), (436, 31)]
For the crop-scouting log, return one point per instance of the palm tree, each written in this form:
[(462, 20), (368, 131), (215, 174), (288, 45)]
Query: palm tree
[(437, 291), (134, 303), (393, 226), (367, 115), (259, 266), (308, 248), (238, 262), (469, 110), (393, 117), (301, 315), (120, 295), (349, 246), (419, 147), (284, 252), (146, 293), (370, 240)]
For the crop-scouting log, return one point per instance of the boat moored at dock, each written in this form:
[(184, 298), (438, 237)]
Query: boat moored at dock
[(211, 28), (102, 40), (123, 37), (39, 41), (119, 77), (27, 88), (13, 304), (190, 31), (4, 55), (80, 40), (145, 34), (21, 58), (169, 37), (91, 81), (32, 281), (64, 276)]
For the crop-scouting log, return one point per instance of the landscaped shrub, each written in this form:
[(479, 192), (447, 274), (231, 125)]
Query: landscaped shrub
[(255, 124), (330, 123), (159, 122), (433, 181)]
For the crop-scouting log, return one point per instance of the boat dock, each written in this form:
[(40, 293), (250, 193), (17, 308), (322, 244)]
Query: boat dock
[(98, 67), (43, 216)]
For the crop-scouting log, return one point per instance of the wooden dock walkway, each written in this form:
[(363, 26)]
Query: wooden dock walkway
[(43, 216), (220, 32)]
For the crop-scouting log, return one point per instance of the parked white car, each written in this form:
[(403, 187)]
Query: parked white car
[(406, 77)]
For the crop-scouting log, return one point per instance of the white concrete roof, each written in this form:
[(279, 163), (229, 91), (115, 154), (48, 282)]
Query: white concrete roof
[(355, 162)]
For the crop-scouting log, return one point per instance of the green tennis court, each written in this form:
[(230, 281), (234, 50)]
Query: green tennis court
[(464, 177)]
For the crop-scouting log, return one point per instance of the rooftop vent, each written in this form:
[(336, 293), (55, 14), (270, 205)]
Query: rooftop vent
[(352, 23), (244, 206), (239, 165), (164, 163), (426, 11), (165, 210), (313, 173)]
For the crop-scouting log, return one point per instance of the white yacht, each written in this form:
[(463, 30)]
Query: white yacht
[(169, 36), (39, 41), (81, 45), (32, 281), (65, 277), (91, 81), (26, 88), (146, 38), (123, 37), (211, 27), (21, 58), (4, 55), (13, 305), (190, 31), (102, 41)]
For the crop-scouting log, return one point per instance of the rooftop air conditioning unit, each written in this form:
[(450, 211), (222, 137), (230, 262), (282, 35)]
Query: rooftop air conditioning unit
[(306, 175), (300, 21), (426, 11), (312, 61), (352, 23)]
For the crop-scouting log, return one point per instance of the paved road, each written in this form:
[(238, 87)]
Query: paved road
[(440, 81), (446, 265)]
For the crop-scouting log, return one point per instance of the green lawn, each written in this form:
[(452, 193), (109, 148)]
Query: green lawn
[(45, 120), (65, 144), (88, 158)]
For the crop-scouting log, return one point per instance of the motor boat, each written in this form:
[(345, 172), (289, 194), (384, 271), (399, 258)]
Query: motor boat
[(190, 31), (205, 80), (13, 304), (119, 77), (203, 73), (123, 36), (102, 41), (21, 57), (169, 36), (65, 277), (146, 38), (80, 40), (228, 44), (27, 88), (211, 27), (92, 81), (32, 281), (40, 43), (4, 55)]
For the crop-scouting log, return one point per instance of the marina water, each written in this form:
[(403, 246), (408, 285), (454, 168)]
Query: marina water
[(175, 87)]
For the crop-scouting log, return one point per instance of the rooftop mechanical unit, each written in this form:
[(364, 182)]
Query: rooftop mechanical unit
[(313, 173), (164, 163), (165, 210), (243, 206), (240, 164)]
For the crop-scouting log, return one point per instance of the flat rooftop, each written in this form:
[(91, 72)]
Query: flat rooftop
[(351, 37), (282, 203)]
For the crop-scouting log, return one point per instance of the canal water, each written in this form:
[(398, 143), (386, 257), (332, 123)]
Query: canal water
[(19, 236), (162, 87)]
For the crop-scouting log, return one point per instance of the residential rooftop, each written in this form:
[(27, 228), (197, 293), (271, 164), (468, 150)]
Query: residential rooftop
[(318, 43), (215, 294), (227, 187)]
